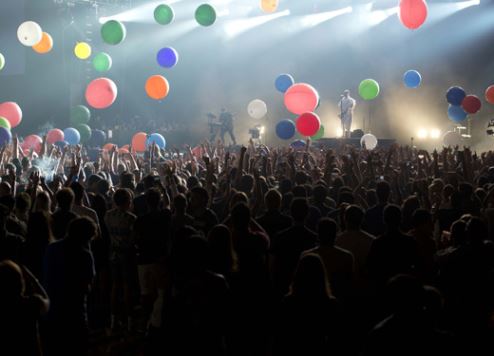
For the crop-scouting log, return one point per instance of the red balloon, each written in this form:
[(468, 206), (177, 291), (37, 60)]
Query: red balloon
[(471, 104), (301, 98), (101, 93), (308, 124), (413, 13), (54, 135), (139, 141), (489, 95), (108, 146), (12, 112), (32, 141)]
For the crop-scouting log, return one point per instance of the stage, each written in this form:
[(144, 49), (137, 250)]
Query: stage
[(339, 142)]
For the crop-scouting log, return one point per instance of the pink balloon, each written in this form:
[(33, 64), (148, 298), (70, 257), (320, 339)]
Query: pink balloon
[(301, 98), (413, 13), (54, 135), (32, 141), (308, 124), (101, 93), (12, 112)]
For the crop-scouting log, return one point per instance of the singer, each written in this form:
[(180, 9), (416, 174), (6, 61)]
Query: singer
[(347, 105)]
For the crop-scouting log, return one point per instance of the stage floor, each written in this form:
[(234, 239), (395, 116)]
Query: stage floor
[(338, 142)]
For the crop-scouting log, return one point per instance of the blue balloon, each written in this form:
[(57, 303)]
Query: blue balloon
[(98, 138), (456, 113), (5, 136), (156, 138), (283, 82), (285, 129), (298, 144), (412, 78), (167, 57), (455, 95), (72, 136), (61, 144)]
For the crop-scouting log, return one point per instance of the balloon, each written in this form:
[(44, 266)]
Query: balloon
[(489, 92), (5, 123), (12, 112), (98, 137), (319, 134), (61, 144), (283, 82), (80, 115), (308, 124), (156, 138), (412, 79), (167, 57), (5, 136), (29, 33), (163, 14), (269, 6), (2, 61), (456, 113), (72, 136), (45, 45), (451, 139), (123, 150), (101, 93), (32, 142), (54, 135), (108, 146), (301, 98), (368, 89), (84, 131), (102, 62), (369, 141), (257, 109), (412, 13), (205, 15), (82, 50), (455, 95), (298, 144), (113, 32), (139, 141), (157, 87), (285, 129), (471, 104)]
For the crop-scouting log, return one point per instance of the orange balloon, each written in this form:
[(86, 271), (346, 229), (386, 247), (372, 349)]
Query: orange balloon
[(45, 45), (139, 141), (108, 146), (157, 87)]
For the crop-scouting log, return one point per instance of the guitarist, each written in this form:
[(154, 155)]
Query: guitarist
[(346, 105), (226, 121)]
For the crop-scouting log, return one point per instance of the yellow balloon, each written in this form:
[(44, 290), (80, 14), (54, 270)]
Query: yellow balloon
[(269, 6), (82, 50)]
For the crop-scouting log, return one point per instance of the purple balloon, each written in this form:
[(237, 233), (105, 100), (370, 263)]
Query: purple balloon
[(167, 57)]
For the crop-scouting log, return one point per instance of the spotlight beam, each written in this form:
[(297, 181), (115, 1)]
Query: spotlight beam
[(316, 19), (237, 27)]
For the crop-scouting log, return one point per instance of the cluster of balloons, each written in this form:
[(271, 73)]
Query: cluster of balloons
[(368, 89), (10, 117), (257, 109), (412, 79), (163, 14), (30, 34), (141, 141), (205, 15), (157, 87), (101, 93), (461, 104), (412, 13)]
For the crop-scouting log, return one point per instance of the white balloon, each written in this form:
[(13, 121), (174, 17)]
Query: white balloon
[(257, 109), (369, 140), (29, 33), (451, 139)]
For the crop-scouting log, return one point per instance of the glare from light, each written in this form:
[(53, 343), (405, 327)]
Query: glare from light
[(316, 19), (464, 4), (261, 130), (378, 16), (236, 27), (339, 132), (422, 133), (143, 13), (435, 133)]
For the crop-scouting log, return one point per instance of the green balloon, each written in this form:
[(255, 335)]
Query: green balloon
[(85, 132), (113, 32), (5, 123), (80, 115), (163, 14), (102, 62), (368, 89), (2, 61), (319, 134), (205, 15)]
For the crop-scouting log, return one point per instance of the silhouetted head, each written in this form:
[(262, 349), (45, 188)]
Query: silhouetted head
[(299, 209), (310, 280), (392, 216), (272, 199), (12, 282), (65, 199), (327, 229), (354, 215), (240, 217), (383, 191)]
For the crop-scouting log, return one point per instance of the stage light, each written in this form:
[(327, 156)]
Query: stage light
[(422, 133), (435, 133), (339, 132), (378, 16), (236, 27), (261, 130), (464, 4), (316, 19)]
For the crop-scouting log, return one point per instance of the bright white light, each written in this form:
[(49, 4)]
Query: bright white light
[(435, 133), (316, 19), (236, 27), (339, 132), (422, 133), (378, 16), (141, 13), (464, 4), (261, 130)]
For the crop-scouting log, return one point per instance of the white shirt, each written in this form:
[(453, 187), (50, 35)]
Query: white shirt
[(347, 104)]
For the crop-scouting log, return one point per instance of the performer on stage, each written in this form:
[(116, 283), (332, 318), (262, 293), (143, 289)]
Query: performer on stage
[(226, 121), (347, 105)]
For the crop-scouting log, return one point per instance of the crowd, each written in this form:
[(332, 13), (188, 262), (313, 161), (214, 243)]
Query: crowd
[(258, 251)]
